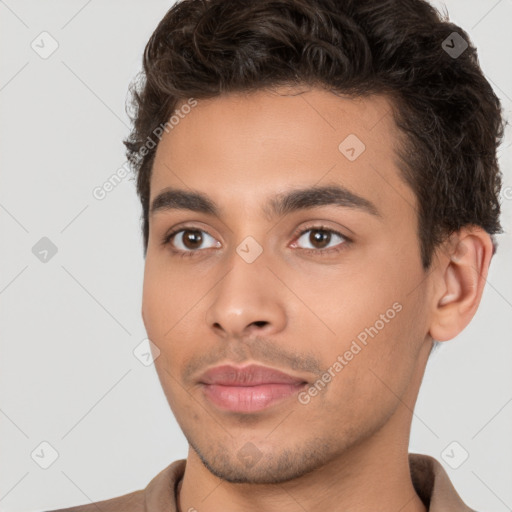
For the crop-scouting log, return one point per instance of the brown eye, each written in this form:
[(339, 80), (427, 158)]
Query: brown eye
[(189, 240), (320, 239), (192, 239)]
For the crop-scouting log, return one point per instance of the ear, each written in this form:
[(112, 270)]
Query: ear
[(463, 264)]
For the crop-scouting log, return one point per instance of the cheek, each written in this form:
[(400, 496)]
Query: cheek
[(376, 322), (158, 301), (168, 313), (373, 374)]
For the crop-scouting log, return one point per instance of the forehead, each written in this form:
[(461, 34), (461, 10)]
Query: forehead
[(247, 146)]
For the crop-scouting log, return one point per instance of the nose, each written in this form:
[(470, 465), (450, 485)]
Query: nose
[(248, 300)]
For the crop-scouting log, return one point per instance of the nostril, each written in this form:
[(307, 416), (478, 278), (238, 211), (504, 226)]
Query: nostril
[(260, 323)]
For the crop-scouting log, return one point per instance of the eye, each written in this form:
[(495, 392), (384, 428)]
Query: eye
[(188, 240), (319, 238)]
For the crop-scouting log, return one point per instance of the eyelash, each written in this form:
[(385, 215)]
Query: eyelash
[(321, 252)]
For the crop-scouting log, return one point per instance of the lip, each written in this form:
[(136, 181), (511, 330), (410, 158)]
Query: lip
[(250, 388)]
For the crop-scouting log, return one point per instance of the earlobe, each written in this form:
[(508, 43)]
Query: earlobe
[(464, 262)]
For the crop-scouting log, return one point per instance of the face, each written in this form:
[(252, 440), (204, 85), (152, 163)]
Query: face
[(301, 255)]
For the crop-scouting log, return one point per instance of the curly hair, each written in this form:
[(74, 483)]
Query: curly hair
[(448, 114)]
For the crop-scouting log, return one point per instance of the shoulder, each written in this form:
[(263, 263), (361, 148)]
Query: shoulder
[(158, 495), (433, 485)]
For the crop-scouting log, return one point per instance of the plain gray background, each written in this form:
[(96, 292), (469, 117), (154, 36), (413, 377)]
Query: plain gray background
[(69, 326)]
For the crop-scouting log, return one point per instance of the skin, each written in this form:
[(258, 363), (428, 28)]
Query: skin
[(297, 311)]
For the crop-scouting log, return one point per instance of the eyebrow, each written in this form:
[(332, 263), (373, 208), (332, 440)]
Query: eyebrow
[(279, 205)]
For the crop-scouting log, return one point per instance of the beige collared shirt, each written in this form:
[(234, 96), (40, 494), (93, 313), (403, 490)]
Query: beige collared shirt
[(428, 476)]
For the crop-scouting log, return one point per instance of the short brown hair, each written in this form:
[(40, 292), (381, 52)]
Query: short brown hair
[(442, 102)]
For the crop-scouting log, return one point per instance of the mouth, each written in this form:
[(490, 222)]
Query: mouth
[(248, 389)]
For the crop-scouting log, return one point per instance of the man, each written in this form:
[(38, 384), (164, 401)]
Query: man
[(319, 187)]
